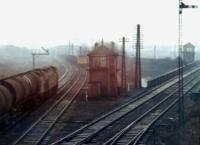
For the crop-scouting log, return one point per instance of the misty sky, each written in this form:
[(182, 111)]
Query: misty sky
[(33, 23)]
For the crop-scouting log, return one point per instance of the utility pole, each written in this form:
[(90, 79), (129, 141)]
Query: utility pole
[(123, 67), (180, 60), (38, 52), (138, 59)]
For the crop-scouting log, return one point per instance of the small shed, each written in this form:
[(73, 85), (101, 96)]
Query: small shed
[(188, 53), (103, 71)]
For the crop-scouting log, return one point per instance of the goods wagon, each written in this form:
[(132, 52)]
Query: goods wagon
[(26, 89)]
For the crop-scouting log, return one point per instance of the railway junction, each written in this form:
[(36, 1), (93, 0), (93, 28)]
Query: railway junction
[(92, 102)]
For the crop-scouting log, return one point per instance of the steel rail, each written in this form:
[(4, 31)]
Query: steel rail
[(128, 135), (78, 89), (50, 110), (92, 137), (64, 78), (88, 131), (145, 130)]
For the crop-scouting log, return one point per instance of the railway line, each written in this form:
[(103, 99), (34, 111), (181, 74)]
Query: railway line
[(64, 72), (104, 128), (55, 132), (22, 93), (67, 75), (44, 130), (40, 129), (133, 132)]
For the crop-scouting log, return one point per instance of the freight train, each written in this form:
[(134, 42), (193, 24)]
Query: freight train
[(27, 89)]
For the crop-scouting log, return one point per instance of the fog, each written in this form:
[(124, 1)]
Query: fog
[(14, 59)]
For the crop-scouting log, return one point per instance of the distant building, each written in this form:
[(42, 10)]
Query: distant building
[(188, 53), (82, 58), (103, 71)]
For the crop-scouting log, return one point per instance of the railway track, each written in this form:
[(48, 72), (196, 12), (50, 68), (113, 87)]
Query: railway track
[(136, 129), (66, 78), (59, 129), (95, 132), (38, 131), (65, 74)]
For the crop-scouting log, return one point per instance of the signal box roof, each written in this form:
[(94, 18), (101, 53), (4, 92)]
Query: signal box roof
[(103, 50), (189, 45)]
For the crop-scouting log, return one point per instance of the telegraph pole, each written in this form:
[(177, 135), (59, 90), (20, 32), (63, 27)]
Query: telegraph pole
[(180, 60), (123, 67), (138, 59)]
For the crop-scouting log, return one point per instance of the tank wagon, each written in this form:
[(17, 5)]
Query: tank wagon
[(27, 89)]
